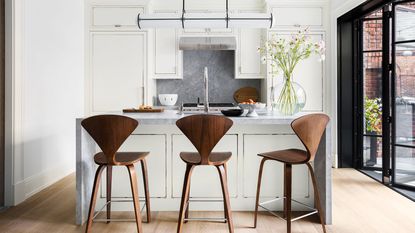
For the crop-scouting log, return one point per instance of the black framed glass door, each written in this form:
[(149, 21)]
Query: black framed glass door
[(403, 86), (370, 101)]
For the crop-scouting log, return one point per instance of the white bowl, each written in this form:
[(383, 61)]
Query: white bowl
[(259, 105), (168, 99)]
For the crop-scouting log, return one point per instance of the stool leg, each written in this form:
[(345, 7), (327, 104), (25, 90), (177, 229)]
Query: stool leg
[(146, 189), (109, 185), (224, 181), (287, 191), (258, 190), (94, 197), (225, 207), (134, 189), (317, 196), (185, 195), (186, 214)]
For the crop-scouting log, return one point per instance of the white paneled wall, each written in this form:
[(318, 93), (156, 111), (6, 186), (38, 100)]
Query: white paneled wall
[(48, 53)]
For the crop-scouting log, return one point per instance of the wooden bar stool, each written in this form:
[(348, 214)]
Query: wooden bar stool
[(204, 131), (309, 129), (110, 132)]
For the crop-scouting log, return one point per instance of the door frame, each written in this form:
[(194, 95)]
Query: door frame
[(2, 99)]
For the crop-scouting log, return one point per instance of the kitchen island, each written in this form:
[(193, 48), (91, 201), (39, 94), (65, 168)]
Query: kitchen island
[(158, 134)]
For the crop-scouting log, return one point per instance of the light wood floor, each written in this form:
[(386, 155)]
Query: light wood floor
[(361, 205)]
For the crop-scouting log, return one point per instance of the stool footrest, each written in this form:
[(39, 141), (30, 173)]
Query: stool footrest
[(116, 219), (314, 211), (224, 220)]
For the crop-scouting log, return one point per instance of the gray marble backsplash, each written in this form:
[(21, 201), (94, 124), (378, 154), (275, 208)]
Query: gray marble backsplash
[(222, 82)]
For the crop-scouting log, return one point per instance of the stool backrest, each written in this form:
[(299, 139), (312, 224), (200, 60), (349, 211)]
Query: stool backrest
[(310, 129), (204, 131), (109, 132)]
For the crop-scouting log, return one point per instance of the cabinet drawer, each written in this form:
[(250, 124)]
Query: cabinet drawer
[(115, 16), (298, 16)]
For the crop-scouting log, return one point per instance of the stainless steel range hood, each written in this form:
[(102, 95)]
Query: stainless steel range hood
[(207, 43)]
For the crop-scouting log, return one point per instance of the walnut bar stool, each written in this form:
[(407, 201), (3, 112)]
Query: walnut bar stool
[(204, 131), (110, 132), (309, 129)]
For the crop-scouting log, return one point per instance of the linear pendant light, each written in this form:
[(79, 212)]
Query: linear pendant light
[(205, 20)]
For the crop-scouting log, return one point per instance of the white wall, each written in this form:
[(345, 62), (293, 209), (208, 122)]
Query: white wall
[(52, 76)]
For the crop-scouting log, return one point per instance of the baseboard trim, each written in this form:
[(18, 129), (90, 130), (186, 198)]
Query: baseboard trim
[(36, 183)]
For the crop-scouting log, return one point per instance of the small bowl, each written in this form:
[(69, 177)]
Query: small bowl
[(168, 99), (251, 109), (232, 112), (259, 105)]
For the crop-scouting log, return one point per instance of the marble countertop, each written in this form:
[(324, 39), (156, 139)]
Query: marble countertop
[(171, 116)]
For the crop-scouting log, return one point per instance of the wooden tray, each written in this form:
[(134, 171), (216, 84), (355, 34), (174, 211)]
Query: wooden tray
[(131, 110)]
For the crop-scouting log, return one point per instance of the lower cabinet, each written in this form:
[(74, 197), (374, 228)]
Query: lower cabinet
[(273, 176), (205, 182), (156, 166)]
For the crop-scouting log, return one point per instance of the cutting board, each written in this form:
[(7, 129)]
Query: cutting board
[(245, 93), (131, 110)]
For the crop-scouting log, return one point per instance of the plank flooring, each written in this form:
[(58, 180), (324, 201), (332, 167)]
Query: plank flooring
[(361, 205)]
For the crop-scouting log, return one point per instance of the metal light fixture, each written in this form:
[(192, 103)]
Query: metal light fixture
[(205, 20)]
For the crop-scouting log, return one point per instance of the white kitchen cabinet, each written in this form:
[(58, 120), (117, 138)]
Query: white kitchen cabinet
[(156, 166), (249, 63), (115, 16), (308, 73), (296, 16), (167, 56), (204, 176), (117, 70), (273, 171)]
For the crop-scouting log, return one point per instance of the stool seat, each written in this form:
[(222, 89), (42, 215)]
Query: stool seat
[(216, 158), (290, 156), (122, 158)]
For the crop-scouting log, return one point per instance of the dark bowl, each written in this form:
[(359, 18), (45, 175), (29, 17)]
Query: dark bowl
[(232, 112)]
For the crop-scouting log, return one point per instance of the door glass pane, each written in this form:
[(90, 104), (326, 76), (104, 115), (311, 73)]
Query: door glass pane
[(405, 18), (404, 172), (372, 36), (405, 94), (405, 166), (372, 151), (372, 91)]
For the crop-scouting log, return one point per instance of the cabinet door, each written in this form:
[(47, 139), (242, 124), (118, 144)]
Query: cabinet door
[(156, 166), (167, 57), (117, 71), (309, 74), (298, 16), (205, 181), (250, 65), (115, 16), (273, 173)]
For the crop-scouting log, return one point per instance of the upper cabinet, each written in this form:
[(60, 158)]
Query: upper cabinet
[(248, 58), (298, 16), (167, 56), (115, 16)]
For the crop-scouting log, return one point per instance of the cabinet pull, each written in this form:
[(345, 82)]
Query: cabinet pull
[(117, 25), (297, 25)]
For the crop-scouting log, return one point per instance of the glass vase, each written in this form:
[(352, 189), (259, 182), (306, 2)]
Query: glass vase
[(289, 97)]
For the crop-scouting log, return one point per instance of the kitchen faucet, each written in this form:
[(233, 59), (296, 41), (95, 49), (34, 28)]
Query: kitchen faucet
[(206, 79)]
